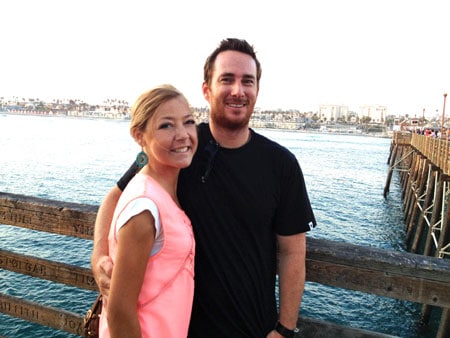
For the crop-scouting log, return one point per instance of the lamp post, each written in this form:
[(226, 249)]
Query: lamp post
[(443, 115)]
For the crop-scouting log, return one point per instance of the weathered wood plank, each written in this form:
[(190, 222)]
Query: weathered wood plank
[(363, 272), (71, 219), (73, 323), (387, 261), (314, 328), (379, 283), (45, 315), (386, 273), (49, 270), (382, 272)]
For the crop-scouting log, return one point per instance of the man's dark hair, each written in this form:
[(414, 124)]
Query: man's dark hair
[(238, 45)]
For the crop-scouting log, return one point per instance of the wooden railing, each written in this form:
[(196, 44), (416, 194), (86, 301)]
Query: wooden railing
[(386, 273), (402, 137), (435, 149)]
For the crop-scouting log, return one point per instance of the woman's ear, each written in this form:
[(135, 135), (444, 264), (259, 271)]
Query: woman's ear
[(138, 136)]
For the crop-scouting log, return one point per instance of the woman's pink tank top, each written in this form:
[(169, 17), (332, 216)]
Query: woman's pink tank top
[(165, 300)]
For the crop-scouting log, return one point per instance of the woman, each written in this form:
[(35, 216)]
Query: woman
[(151, 241)]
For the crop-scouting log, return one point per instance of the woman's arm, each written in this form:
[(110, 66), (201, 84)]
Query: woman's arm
[(135, 241)]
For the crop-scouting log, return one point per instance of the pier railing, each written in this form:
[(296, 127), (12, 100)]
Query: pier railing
[(399, 275), (434, 149)]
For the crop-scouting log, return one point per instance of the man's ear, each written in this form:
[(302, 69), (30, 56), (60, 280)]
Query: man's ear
[(205, 90)]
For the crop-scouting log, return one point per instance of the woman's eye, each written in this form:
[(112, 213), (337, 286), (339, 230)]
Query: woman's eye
[(165, 126), (192, 121)]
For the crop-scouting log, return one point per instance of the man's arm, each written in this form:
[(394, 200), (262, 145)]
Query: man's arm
[(291, 273), (101, 263)]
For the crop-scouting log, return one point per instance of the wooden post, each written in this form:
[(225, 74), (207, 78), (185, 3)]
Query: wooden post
[(425, 206), (393, 158), (406, 174), (429, 244), (444, 326), (444, 236), (410, 186), (416, 195), (391, 151), (429, 247)]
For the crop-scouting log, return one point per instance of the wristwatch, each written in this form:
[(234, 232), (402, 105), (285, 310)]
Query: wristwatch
[(285, 332)]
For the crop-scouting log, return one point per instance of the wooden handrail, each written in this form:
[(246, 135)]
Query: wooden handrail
[(399, 275), (387, 273), (63, 218), (45, 269), (435, 149), (45, 315)]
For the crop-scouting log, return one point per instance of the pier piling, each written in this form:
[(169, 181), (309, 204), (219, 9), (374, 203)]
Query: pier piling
[(425, 184)]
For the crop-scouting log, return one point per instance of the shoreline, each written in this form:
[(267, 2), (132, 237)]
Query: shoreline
[(282, 125)]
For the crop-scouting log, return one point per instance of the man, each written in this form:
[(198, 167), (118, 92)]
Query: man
[(247, 200)]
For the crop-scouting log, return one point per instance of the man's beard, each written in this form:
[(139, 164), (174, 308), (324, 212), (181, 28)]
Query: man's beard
[(222, 121)]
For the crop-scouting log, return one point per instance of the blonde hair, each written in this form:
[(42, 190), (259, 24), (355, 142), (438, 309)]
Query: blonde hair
[(145, 106)]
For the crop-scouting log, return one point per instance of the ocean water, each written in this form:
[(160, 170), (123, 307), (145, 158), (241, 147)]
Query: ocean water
[(79, 160)]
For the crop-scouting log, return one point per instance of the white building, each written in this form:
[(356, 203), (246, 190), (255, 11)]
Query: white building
[(332, 112), (377, 113)]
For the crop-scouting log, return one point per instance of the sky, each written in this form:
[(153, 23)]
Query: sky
[(393, 53)]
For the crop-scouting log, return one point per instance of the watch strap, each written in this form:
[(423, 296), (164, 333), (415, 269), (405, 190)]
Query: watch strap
[(285, 332)]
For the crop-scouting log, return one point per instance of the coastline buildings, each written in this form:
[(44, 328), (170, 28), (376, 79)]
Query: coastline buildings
[(328, 117), (376, 113), (109, 109), (120, 109), (371, 113), (332, 112)]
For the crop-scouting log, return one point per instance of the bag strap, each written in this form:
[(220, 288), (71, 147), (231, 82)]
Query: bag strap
[(94, 311)]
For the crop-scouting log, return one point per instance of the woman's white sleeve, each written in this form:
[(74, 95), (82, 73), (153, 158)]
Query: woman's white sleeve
[(134, 208)]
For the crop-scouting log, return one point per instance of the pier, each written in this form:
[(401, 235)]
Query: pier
[(423, 164), (400, 275)]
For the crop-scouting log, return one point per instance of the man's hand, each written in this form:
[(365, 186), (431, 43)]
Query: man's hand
[(274, 334), (102, 274), (101, 263)]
